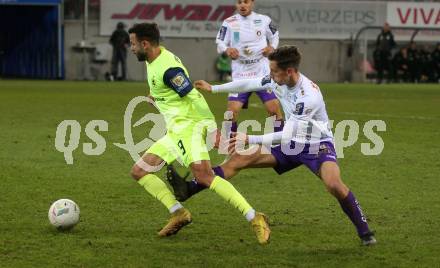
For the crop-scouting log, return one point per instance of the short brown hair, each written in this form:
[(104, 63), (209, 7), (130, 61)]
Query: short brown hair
[(286, 56)]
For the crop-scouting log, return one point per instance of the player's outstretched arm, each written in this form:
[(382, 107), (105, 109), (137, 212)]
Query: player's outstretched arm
[(287, 134), (238, 86)]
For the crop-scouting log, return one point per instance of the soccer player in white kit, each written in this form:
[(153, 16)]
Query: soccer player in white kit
[(248, 38), (305, 140)]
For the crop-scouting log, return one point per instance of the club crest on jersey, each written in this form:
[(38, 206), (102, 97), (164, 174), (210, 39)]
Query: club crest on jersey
[(258, 33)]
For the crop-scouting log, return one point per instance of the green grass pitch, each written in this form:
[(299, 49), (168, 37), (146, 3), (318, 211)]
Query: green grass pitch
[(398, 190)]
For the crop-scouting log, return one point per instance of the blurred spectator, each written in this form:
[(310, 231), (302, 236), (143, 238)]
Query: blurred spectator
[(435, 56), (426, 66), (400, 65), (223, 66), (414, 63), (384, 44), (120, 40)]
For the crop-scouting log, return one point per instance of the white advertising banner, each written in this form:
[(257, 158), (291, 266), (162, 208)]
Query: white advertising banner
[(331, 20), (196, 18), (183, 18), (324, 19), (407, 14)]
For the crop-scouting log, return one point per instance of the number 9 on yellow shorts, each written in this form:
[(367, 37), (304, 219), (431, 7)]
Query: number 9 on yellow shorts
[(186, 144)]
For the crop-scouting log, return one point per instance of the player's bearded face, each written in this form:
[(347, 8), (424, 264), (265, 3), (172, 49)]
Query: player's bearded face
[(244, 7), (137, 48), (141, 55)]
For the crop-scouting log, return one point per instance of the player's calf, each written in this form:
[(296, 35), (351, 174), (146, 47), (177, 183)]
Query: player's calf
[(330, 175), (203, 173)]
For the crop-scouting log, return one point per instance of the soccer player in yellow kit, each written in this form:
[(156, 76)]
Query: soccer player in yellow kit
[(188, 120)]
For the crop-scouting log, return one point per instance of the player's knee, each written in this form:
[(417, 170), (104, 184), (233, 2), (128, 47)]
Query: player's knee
[(202, 176), (273, 111), (137, 172)]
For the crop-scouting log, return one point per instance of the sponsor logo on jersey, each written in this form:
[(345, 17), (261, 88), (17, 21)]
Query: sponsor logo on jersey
[(299, 108), (222, 33), (258, 22), (236, 37), (266, 80), (249, 61), (273, 28)]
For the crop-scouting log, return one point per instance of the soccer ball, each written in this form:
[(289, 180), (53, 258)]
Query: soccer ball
[(64, 214)]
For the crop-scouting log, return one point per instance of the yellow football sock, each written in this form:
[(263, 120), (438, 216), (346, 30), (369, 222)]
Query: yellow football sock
[(225, 189), (159, 190)]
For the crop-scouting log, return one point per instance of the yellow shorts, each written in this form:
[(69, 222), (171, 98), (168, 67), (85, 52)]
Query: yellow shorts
[(186, 143)]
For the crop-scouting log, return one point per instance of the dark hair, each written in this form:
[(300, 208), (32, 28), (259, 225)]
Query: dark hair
[(286, 56), (120, 25), (146, 31)]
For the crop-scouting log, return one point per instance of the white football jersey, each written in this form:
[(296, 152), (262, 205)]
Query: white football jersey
[(249, 35), (303, 106)]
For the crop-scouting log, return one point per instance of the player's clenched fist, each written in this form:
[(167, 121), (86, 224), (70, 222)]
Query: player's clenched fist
[(203, 85), (267, 50)]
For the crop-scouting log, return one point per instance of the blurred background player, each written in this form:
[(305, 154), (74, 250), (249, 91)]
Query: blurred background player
[(248, 38), (384, 44), (120, 42), (223, 67), (188, 120), (305, 140)]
